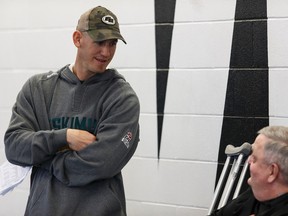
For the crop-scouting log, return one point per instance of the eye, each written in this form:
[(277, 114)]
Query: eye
[(110, 43), (100, 43), (113, 42)]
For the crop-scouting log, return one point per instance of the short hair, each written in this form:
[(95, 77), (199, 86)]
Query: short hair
[(276, 148)]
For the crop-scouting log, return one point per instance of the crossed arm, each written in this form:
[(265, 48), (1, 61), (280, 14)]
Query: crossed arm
[(79, 139), (29, 141)]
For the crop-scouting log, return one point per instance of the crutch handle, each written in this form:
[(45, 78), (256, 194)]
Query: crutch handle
[(244, 149)]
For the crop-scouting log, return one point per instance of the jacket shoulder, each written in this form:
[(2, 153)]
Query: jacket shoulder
[(45, 78)]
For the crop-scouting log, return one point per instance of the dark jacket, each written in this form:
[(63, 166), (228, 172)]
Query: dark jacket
[(66, 182), (245, 205)]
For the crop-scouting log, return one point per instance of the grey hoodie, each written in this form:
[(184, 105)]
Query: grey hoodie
[(66, 182)]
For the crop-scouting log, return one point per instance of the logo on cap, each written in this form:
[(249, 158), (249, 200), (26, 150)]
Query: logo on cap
[(109, 20)]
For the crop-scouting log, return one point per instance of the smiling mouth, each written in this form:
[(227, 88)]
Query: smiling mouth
[(100, 60)]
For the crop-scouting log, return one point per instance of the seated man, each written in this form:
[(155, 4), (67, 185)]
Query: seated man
[(268, 192)]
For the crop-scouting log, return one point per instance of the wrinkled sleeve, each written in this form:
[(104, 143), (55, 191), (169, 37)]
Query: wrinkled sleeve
[(25, 143), (116, 140)]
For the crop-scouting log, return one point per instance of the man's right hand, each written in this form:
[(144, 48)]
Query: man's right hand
[(79, 139)]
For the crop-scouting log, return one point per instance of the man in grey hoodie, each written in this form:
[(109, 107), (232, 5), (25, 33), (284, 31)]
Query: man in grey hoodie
[(78, 127)]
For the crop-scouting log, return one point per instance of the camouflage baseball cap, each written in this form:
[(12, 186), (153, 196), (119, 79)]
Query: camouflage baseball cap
[(101, 24)]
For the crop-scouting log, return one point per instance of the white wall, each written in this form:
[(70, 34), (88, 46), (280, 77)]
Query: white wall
[(36, 37)]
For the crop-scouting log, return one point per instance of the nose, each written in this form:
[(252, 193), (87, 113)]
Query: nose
[(106, 50)]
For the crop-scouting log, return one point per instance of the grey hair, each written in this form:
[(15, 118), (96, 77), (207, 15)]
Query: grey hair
[(276, 149)]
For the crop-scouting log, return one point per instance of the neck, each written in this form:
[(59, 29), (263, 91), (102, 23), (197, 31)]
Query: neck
[(81, 73), (273, 192)]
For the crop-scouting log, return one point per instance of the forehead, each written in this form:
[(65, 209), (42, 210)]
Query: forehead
[(259, 142)]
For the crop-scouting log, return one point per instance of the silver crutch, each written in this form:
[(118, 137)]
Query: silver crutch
[(238, 153)]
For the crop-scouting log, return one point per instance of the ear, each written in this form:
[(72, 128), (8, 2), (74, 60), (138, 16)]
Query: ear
[(274, 172), (77, 35)]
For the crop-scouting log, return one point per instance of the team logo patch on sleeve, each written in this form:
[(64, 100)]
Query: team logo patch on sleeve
[(127, 138)]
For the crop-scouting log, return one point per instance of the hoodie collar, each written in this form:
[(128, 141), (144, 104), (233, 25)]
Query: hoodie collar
[(109, 74)]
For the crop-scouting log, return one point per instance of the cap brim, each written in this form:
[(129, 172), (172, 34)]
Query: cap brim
[(105, 34)]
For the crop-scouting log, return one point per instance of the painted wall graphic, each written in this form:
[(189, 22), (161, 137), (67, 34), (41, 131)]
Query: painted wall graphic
[(164, 20), (246, 106)]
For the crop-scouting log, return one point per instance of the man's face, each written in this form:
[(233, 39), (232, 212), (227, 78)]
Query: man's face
[(95, 56), (259, 169)]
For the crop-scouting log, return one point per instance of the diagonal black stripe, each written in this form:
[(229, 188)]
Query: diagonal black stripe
[(246, 105), (164, 19)]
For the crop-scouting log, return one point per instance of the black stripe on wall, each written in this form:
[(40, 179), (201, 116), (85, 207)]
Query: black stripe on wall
[(164, 21), (246, 105)]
